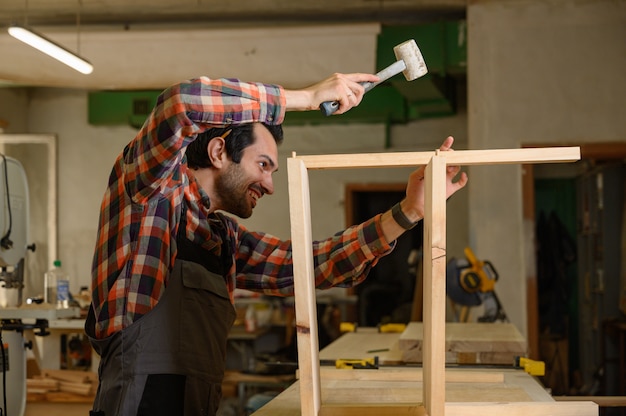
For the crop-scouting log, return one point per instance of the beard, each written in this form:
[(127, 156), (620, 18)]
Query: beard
[(233, 191)]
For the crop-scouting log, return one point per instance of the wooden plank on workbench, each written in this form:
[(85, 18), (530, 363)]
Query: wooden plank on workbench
[(403, 374), (364, 343), (373, 410), (468, 343), (523, 409), (475, 337), (466, 358)]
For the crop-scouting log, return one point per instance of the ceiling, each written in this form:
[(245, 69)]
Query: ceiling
[(125, 39), (149, 44), (129, 12)]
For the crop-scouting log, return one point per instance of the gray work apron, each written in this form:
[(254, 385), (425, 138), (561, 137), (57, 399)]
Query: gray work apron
[(170, 361)]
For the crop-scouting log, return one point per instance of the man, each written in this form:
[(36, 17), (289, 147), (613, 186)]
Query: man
[(166, 261)]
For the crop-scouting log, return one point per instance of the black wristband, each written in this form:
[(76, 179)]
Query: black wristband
[(400, 218)]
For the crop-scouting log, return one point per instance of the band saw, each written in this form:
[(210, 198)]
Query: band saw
[(17, 316)]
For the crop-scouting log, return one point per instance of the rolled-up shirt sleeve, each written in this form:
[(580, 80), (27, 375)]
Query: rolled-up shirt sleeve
[(264, 263)]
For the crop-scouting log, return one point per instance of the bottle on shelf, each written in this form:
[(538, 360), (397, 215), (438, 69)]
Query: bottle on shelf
[(250, 319), (57, 286)]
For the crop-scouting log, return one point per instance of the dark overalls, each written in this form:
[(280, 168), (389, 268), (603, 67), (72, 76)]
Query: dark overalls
[(171, 361)]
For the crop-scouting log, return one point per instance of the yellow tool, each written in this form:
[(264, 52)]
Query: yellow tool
[(356, 364), (481, 276), (384, 328), (347, 327), (471, 282), (352, 327), (532, 367)]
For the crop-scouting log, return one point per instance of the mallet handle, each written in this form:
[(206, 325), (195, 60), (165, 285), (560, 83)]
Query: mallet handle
[(329, 107)]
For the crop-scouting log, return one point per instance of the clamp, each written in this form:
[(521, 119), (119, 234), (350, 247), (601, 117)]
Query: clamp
[(532, 367)]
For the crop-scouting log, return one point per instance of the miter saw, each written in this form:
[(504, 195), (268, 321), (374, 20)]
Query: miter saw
[(471, 282)]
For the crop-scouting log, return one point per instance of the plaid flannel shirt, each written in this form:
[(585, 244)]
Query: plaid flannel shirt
[(142, 208)]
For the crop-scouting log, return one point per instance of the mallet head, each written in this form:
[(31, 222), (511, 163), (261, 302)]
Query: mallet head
[(413, 60)]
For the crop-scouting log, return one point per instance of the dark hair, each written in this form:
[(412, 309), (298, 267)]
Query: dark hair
[(239, 138)]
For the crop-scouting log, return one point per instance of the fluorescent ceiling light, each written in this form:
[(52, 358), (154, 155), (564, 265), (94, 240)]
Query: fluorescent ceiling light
[(50, 48)]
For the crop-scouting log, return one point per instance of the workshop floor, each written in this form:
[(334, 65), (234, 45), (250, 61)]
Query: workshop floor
[(57, 409), (229, 407)]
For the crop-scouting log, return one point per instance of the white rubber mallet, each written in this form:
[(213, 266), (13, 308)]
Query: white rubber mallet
[(410, 62)]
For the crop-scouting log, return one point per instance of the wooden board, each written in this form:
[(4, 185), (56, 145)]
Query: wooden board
[(458, 157), (434, 285), (468, 343), (59, 396), (364, 343), (304, 286), (464, 358), (411, 374)]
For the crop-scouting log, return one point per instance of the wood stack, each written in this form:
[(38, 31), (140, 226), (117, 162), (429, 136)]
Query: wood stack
[(62, 386), (468, 343)]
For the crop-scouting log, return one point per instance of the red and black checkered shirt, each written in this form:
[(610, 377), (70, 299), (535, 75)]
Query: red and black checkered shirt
[(143, 204)]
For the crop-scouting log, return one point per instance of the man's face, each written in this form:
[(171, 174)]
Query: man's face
[(242, 184)]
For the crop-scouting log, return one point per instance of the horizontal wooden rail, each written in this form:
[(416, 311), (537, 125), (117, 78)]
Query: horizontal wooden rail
[(457, 157)]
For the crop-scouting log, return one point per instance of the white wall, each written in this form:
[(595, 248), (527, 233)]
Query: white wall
[(85, 156), (539, 72)]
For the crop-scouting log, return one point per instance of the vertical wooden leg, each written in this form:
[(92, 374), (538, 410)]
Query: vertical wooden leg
[(435, 286), (304, 287)]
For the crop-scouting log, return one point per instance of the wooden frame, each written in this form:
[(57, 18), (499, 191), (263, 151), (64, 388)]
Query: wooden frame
[(434, 373)]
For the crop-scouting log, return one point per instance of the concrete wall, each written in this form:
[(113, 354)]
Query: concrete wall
[(549, 72)]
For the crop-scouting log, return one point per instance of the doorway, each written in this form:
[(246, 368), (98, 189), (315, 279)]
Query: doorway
[(387, 293), (574, 296)]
